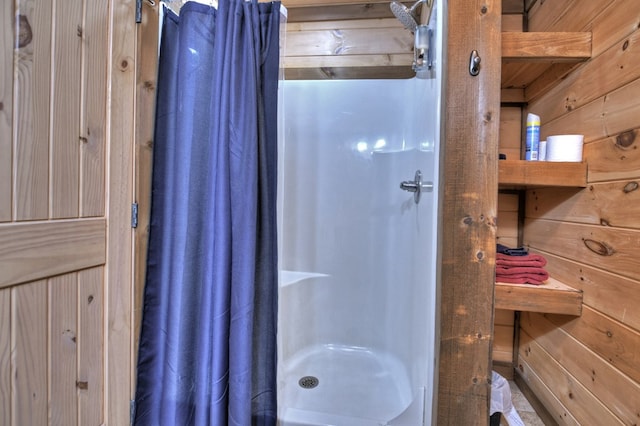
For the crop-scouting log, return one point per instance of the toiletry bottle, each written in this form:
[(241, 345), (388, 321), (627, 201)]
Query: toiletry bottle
[(532, 137)]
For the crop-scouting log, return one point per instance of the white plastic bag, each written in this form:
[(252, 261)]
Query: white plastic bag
[(501, 400)]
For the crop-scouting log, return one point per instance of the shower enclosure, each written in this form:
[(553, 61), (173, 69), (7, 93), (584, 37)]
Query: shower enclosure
[(357, 315)]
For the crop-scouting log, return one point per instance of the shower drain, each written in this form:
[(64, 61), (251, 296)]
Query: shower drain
[(308, 382)]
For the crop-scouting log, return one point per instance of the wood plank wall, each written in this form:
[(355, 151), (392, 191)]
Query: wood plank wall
[(586, 370), (54, 150)]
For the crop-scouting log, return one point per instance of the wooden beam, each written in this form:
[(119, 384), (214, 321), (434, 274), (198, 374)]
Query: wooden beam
[(469, 191), (543, 46)]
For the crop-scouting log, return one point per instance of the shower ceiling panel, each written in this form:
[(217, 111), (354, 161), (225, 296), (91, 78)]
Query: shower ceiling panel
[(337, 39)]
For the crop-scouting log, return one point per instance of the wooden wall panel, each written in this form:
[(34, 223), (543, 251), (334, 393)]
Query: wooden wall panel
[(507, 232), (29, 370), (63, 338), (613, 249), (6, 109), (65, 114), (564, 15), (613, 25), (32, 88), (610, 339), (90, 346), (592, 371), (583, 405), (93, 124), (607, 204), (511, 132), (606, 292), (512, 23), (614, 158), (5, 356), (503, 336), (545, 395), (590, 236), (585, 84)]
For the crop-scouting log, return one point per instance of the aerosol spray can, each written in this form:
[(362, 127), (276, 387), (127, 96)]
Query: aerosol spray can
[(532, 137)]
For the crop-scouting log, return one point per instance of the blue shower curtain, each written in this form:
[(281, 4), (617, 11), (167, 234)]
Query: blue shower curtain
[(207, 352)]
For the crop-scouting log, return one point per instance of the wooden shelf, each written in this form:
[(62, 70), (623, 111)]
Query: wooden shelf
[(523, 174), (532, 62), (553, 297)]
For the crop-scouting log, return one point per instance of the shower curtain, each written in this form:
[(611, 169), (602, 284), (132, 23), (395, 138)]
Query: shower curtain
[(207, 352)]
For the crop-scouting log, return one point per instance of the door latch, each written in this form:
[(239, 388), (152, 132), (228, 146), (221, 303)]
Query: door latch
[(416, 186)]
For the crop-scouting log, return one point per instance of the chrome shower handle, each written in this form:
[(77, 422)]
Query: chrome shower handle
[(416, 186)]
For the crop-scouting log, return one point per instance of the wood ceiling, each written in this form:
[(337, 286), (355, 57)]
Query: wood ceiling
[(338, 39)]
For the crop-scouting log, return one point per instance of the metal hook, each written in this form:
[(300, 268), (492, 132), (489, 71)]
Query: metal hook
[(474, 63)]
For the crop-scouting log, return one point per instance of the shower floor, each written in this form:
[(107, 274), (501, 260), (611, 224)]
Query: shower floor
[(355, 384)]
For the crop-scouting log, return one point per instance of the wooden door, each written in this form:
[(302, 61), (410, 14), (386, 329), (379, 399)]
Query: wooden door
[(65, 238)]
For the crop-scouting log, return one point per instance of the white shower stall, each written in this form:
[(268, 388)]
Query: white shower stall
[(357, 298)]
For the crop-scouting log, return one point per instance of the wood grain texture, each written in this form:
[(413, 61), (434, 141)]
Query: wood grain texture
[(6, 110), (29, 358), (511, 132), (469, 210), (118, 305), (600, 378), (93, 126), (5, 356), (610, 339), (30, 251), (606, 204), (552, 297), (512, 23), (512, 6), (572, 394), (32, 86), (604, 291), (613, 25), (520, 173), (547, 46), (91, 389), (613, 113), (355, 41), (507, 231), (613, 249), (614, 158), (586, 84), (63, 352), (338, 12), (146, 84), (565, 15), (542, 391), (67, 79)]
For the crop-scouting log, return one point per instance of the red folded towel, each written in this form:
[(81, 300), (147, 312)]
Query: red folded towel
[(514, 279), (521, 275), (533, 260)]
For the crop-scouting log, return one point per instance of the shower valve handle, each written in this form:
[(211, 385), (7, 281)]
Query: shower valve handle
[(416, 186)]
